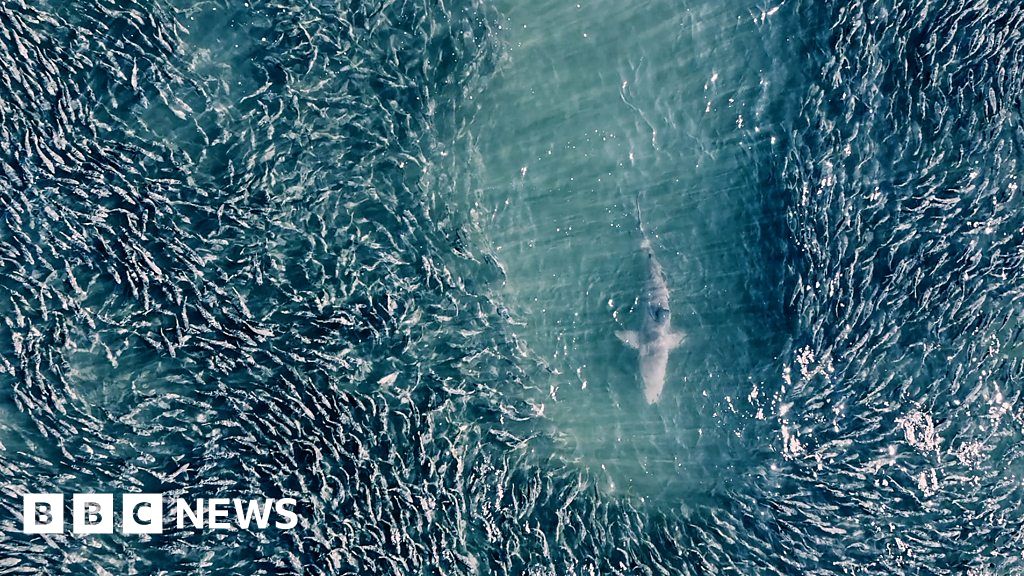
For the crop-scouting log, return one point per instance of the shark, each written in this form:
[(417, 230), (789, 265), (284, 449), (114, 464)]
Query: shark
[(656, 338)]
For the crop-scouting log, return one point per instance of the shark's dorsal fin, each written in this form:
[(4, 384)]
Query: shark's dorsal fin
[(630, 338)]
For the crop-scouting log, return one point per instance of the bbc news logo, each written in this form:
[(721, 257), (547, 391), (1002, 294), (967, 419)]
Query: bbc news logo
[(144, 513)]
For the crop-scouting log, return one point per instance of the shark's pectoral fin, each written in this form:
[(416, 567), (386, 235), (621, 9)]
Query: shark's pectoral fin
[(674, 339), (630, 338)]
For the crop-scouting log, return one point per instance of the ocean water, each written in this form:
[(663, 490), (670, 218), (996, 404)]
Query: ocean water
[(373, 255), (593, 112)]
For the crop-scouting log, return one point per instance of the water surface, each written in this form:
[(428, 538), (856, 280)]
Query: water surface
[(373, 255)]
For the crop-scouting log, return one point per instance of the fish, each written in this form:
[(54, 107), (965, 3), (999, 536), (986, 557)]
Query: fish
[(656, 338)]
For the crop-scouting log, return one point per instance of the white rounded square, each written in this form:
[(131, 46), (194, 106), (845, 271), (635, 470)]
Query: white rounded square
[(43, 513), (92, 513), (142, 513)]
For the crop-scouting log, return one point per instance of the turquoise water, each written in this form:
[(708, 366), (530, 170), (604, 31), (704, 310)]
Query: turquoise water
[(373, 256), (590, 107)]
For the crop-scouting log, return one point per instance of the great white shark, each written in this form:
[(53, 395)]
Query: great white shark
[(655, 339)]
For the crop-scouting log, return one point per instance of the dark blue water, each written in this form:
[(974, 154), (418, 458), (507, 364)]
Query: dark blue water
[(373, 255)]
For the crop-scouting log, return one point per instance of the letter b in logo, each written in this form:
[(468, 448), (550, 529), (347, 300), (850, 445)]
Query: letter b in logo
[(43, 513), (92, 513), (142, 514)]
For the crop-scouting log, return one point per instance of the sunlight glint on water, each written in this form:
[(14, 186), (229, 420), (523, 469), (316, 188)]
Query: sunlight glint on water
[(592, 106)]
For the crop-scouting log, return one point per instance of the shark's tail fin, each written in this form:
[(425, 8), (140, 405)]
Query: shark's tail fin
[(645, 244)]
